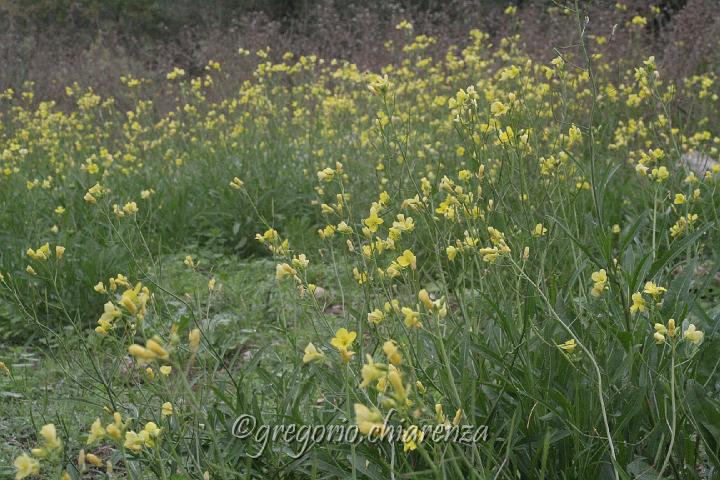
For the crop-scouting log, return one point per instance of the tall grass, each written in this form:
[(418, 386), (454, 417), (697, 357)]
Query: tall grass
[(474, 239)]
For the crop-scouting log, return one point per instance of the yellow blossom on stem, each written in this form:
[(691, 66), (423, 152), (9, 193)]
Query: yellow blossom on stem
[(342, 341), (194, 340), (653, 290), (407, 259), (97, 432), (371, 371), (376, 316), (693, 335), (600, 279), (369, 422), (412, 318), (392, 352), (411, 437), (638, 304), (424, 298), (568, 346), (312, 354), (343, 338), (26, 466)]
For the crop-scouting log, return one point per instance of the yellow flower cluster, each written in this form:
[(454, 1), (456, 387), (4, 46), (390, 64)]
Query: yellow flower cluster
[(50, 449)]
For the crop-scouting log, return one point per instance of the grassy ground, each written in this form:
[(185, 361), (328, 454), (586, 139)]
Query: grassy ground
[(467, 240)]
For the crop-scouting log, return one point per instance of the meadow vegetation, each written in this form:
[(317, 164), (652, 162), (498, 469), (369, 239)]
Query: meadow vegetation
[(471, 238)]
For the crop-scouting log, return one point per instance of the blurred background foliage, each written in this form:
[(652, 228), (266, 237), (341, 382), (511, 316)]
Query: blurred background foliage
[(93, 42)]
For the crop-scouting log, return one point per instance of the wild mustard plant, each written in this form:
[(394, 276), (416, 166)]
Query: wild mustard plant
[(472, 240)]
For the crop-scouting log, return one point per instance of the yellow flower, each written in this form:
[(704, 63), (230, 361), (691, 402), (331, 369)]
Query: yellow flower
[(616, 228), (194, 340), (638, 303), (133, 441), (343, 227), (410, 436), (157, 349), (42, 253), (176, 73), (97, 432), (166, 370), (379, 85), (569, 346), (236, 183), (152, 429), (407, 259), (189, 262), (660, 174), (327, 232), (114, 432), (392, 352), (671, 327), (130, 208), (312, 354), (451, 253), (100, 287), (141, 353), (490, 254), (326, 175), (679, 199), (343, 338), (457, 417), (693, 335), (424, 298), (167, 409), (345, 354), (539, 230), (653, 290), (59, 251), (49, 435), (376, 316), (4, 369), (342, 342), (600, 276), (600, 279), (498, 109), (360, 277), (93, 459), (412, 318), (370, 372), (373, 221), (369, 422), (26, 466), (396, 382), (105, 322), (284, 270), (404, 25), (659, 338), (300, 261)]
